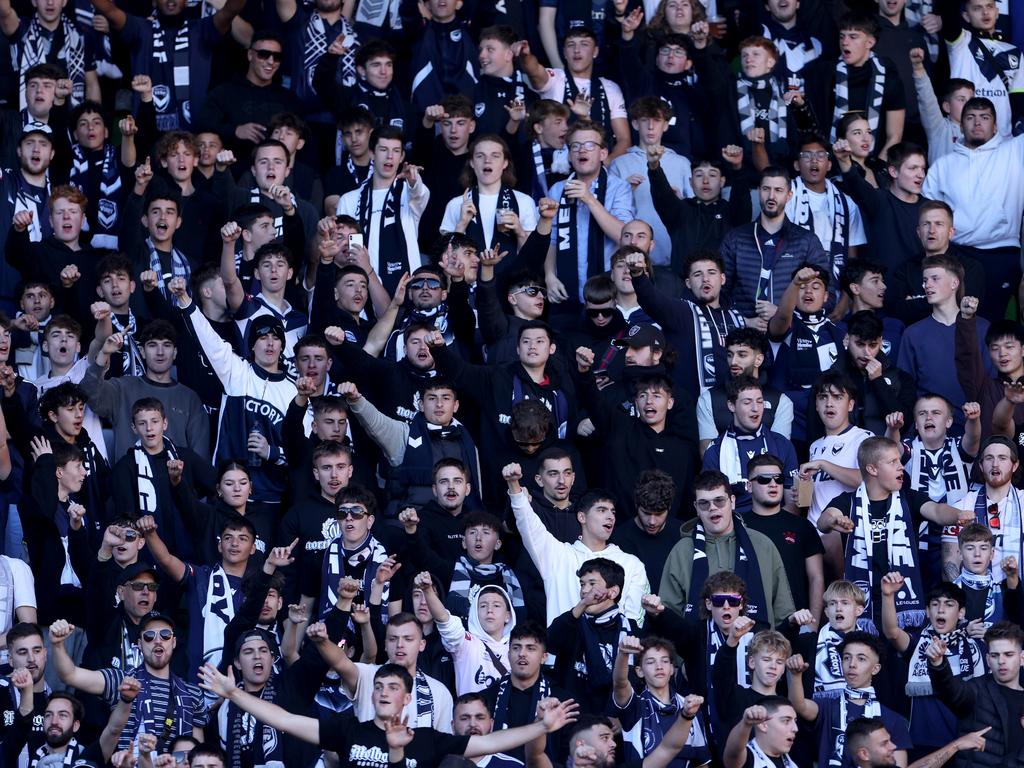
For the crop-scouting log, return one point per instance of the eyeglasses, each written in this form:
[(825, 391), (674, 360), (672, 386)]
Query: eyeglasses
[(425, 282), (705, 505), (671, 50), (530, 290), (600, 311), (733, 601), (816, 155), (356, 513), (140, 586), (150, 634), (993, 516), (768, 479), (590, 146), (263, 54)]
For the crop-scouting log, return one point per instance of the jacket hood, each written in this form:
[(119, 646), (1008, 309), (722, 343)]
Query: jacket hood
[(989, 146), (477, 629)]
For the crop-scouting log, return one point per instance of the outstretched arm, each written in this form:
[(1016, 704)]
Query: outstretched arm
[(305, 728), (174, 567), (113, 14)]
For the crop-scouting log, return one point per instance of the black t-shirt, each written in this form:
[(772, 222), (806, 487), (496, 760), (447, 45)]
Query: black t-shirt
[(862, 83), (796, 539), (363, 745), (780, 762), (1015, 709)]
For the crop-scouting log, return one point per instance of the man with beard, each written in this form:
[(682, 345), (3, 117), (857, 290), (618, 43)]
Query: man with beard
[(997, 501), (473, 718), (869, 745), (761, 258), (818, 206), (592, 741), (175, 52), (890, 214), (745, 351), (698, 327), (985, 228), (442, 519), (413, 449), (166, 705), (26, 190), (28, 656), (62, 719)]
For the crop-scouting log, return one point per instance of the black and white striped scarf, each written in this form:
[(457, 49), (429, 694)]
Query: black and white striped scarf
[(42, 758), (761, 760), (944, 464), (66, 46), (913, 12), (469, 576), (424, 700), (799, 211), (145, 488), (171, 75), (963, 653), (107, 190), (760, 105), (251, 742), (131, 355), (541, 690), (709, 332), (179, 267), (315, 45), (874, 106)]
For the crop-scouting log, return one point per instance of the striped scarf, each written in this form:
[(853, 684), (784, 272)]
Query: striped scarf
[(107, 190), (65, 46), (874, 105), (171, 75), (760, 105)]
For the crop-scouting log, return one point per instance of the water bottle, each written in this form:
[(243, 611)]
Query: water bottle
[(255, 460)]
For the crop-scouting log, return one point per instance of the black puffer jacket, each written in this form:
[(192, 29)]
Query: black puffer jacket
[(977, 703)]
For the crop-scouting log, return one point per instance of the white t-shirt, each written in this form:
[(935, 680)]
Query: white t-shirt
[(22, 590), (488, 209), (555, 89), (439, 716), (840, 450)]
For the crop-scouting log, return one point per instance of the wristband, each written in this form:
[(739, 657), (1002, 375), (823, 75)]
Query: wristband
[(684, 717)]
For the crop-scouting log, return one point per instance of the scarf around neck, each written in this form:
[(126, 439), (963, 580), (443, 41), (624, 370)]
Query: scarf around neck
[(875, 95), (360, 563), (800, 212), (568, 255), (901, 556), (828, 665), (745, 566), (944, 463), (737, 449), (963, 653), (760, 105), (64, 46), (392, 250), (171, 73), (993, 593)]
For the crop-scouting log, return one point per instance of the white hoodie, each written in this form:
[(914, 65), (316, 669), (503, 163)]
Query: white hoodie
[(985, 189), (475, 651)]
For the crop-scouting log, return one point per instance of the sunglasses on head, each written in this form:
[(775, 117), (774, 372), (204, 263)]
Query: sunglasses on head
[(150, 634), (768, 479), (356, 513), (600, 311), (720, 601), (425, 282), (139, 586), (530, 290), (263, 54)]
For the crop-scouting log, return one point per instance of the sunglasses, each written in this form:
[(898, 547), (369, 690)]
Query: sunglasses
[(530, 290), (993, 516), (425, 282), (768, 479), (593, 312), (139, 586), (130, 534), (263, 54), (720, 601), (705, 505), (356, 513), (150, 634), (179, 757)]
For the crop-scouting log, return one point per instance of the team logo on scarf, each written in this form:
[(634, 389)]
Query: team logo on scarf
[(161, 97)]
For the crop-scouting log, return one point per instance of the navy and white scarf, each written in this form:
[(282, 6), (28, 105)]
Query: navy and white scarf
[(251, 742), (761, 760), (596, 664), (131, 356), (993, 593), (469, 576), (171, 75), (64, 46), (875, 95), (746, 567), (554, 400), (799, 211), (315, 45), (736, 445), (559, 165), (1006, 532), (600, 109), (567, 249), (902, 556), (813, 347), (502, 241), (148, 498), (42, 758), (392, 249), (760, 105), (107, 191), (361, 563), (945, 463), (179, 268), (541, 690), (709, 333), (964, 656), (828, 664), (872, 710)]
